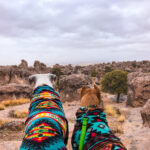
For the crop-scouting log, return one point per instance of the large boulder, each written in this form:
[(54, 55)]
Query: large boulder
[(24, 64), (13, 74), (19, 76), (69, 86), (4, 75), (39, 67), (138, 89), (145, 113), (15, 91)]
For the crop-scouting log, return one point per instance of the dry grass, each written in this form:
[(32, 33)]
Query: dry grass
[(2, 122), (111, 111), (115, 126), (18, 114), (2, 106), (118, 129), (7, 103), (115, 118), (115, 112), (121, 118)]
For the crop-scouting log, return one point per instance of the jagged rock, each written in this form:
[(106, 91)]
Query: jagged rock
[(65, 70), (38, 66), (145, 113), (19, 76), (13, 91), (11, 74), (69, 86), (138, 89), (23, 64), (4, 75)]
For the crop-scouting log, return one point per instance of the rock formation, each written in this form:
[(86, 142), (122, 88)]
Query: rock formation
[(23, 64), (13, 75), (145, 113), (38, 66), (15, 91), (137, 95), (138, 89), (69, 86)]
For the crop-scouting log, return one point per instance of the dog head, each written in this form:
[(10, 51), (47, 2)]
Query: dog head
[(41, 79), (90, 96)]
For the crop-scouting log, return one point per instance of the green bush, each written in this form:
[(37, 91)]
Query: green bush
[(134, 65), (108, 69), (115, 82), (94, 73), (57, 71)]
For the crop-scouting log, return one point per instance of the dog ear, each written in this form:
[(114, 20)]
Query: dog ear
[(53, 77), (96, 88), (83, 91), (97, 91), (32, 80)]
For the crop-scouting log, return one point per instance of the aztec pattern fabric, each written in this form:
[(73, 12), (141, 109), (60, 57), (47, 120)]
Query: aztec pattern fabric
[(46, 125), (98, 135)]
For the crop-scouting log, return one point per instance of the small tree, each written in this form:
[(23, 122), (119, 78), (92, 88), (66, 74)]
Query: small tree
[(57, 71), (94, 73), (108, 69), (134, 65), (115, 82)]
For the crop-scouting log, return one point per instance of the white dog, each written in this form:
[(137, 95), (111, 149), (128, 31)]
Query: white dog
[(46, 125)]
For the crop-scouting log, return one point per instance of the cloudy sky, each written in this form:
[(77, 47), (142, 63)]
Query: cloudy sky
[(74, 31)]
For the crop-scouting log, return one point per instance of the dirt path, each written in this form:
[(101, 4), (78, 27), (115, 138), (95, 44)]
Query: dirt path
[(4, 114), (135, 137)]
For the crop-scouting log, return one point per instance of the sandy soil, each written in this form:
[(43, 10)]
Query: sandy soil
[(135, 136)]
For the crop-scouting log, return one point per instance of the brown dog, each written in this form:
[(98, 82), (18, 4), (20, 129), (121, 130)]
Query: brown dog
[(90, 96), (98, 135)]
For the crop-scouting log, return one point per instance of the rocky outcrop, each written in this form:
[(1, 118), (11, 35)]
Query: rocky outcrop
[(138, 89), (23, 64), (38, 66), (69, 86), (19, 76), (145, 113), (4, 75), (15, 91), (11, 74), (136, 95)]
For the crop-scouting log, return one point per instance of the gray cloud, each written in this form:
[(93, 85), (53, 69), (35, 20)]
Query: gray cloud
[(74, 31)]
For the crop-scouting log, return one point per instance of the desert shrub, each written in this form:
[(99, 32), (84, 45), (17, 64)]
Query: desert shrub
[(108, 69), (115, 82), (118, 129), (2, 106), (18, 114), (109, 109), (57, 71), (2, 122), (121, 118), (15, 66), (115, 112), (94, 73), (134, 65), (14, 102)]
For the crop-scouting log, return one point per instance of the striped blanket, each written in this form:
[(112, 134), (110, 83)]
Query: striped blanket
[(46, 127), (98, 135)]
